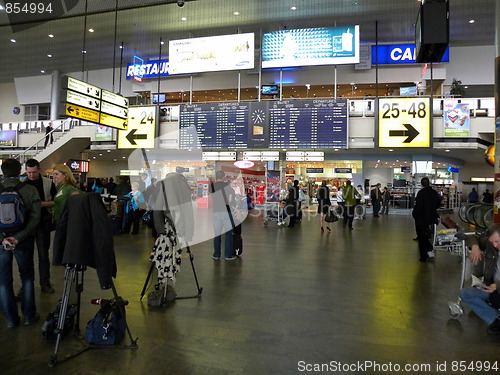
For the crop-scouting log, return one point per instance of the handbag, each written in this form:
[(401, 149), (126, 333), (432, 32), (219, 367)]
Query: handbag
[(159, 298), (108, 326), (147, 216), (331, 216)]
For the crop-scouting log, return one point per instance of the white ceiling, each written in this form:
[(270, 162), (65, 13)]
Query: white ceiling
[(140, 24)]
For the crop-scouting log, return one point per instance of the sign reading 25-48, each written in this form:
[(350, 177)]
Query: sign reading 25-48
[(404, 122)]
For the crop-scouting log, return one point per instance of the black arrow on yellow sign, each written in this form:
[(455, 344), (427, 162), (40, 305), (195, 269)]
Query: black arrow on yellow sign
[(131, 136), (411, 133)]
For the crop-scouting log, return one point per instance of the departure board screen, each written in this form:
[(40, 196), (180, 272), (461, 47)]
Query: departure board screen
[(306, 124), (214, 126), (295, 124)]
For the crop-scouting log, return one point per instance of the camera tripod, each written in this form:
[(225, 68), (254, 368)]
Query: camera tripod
[(73, 281)]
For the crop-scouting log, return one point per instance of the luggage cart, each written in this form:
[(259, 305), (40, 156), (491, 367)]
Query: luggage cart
[(274, 211)]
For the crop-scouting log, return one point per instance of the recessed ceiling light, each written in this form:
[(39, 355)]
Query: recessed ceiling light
[(49, 55), (184, 19), (84, 51), (13, 40), (391, 150), (162, 42), (471, 21), (51, 35), (236, 13), (447, 150), (91, 30), (42, 71), (293, 8)]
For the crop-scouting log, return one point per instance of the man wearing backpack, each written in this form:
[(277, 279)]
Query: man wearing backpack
[(17, 242), (46, 191)]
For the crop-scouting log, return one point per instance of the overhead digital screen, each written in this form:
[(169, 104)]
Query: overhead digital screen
[(210, 54), (318, 46), (308, 124), (214, 126), (297, 124)]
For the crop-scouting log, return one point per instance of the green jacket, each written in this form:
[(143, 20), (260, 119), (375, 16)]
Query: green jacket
[(31, 201), (350, 194)]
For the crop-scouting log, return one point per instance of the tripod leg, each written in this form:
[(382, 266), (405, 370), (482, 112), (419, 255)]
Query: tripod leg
[(79, 274), (69, 277), (191, 258), (147, 279), (122, 304)]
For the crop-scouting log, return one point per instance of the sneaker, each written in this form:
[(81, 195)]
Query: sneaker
[(494, 328), (13, 324), (431, 254), (232, 258), (47, 289), (215, 258), (28, 322)]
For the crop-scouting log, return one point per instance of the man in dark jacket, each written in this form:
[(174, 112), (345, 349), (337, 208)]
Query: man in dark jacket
[(425, 215), (292, 201), (19, 244)]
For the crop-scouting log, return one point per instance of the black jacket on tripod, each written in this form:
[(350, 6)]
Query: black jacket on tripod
[(84, 237)]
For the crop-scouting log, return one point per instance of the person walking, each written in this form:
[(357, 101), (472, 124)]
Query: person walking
[(323, 197), (19, 244), (350, 195), (473, 196), (46, 191), (49, 135), (376, 197), (425, 215), (291, 205)]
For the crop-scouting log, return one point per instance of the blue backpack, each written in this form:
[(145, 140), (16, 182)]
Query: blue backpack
[(12, 209)]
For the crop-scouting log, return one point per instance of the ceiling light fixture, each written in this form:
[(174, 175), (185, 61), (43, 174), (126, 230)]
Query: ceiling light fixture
[(471, 21), (293, 8), (42, 71), (49, 55), (51, 35), (91, 30), (184, 19), (13, 40), (236, 13)]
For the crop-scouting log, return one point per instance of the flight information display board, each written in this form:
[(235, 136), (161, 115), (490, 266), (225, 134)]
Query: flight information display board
[(214, 126), (306, 124), (295, 124)]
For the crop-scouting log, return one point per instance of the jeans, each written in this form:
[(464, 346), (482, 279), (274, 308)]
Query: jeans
[(476, 299), (348, 216), (222, 224), (24, 257), (376, 207)]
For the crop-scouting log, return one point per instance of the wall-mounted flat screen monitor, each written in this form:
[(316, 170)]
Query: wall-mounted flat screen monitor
[(159, 98), (315, 46), (408, 91), (270, 90)]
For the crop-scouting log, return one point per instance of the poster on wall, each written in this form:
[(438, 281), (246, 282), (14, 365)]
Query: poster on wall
[(8, 138), (103, 133), (456, 117)]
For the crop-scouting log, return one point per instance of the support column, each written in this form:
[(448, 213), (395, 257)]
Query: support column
[(55, 95)]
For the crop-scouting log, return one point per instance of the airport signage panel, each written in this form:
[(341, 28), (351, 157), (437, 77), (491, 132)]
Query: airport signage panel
[(313, 46), (404, 122), (141, 129), (394, 54), (210, 54), (115, 99)]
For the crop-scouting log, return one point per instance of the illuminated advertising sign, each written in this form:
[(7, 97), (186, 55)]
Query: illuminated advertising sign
[(210, 54), (141, 69), (318, 46), (390, 54)]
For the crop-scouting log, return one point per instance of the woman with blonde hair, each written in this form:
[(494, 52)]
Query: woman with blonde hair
[(66, 186)]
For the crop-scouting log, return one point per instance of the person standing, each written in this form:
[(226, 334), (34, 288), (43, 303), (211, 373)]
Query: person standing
[(473, 196), (487, 197), (111, 186), (350, 196), (66, 186), (386, 197), (292, 200), (376, 197), (323, 198), (46, 191), (425, 215), (223, 198), (20, 245), (360, 205), (135, 208)]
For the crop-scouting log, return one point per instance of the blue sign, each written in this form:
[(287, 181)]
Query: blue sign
[(405, 169), (147, 69), (314, 170), (390, 54), (454, 170), (343, 170)]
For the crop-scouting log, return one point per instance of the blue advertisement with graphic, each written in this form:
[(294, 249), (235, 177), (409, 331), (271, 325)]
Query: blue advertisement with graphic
[(456, 117), (314, 46)]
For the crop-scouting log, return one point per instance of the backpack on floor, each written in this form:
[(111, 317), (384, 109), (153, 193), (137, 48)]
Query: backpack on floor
[(12, 209), (109, 325), (49, 327)]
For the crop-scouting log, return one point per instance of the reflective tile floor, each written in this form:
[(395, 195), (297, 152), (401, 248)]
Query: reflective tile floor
[(297, 302)]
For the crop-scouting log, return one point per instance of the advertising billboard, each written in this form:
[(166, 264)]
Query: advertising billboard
[(211, 54), (315, 46), (456, 118)]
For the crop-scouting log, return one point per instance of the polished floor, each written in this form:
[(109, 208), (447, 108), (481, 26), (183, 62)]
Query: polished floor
[(297, 302)]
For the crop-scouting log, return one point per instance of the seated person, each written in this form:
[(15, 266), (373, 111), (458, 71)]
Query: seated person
[(483, 299)]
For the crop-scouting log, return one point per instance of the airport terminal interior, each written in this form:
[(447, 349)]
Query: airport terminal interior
[(269, 92)]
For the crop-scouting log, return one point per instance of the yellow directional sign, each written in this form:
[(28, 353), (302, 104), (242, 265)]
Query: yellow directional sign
[(141, 129), (404, 122), (82, 113), (112, 121)]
